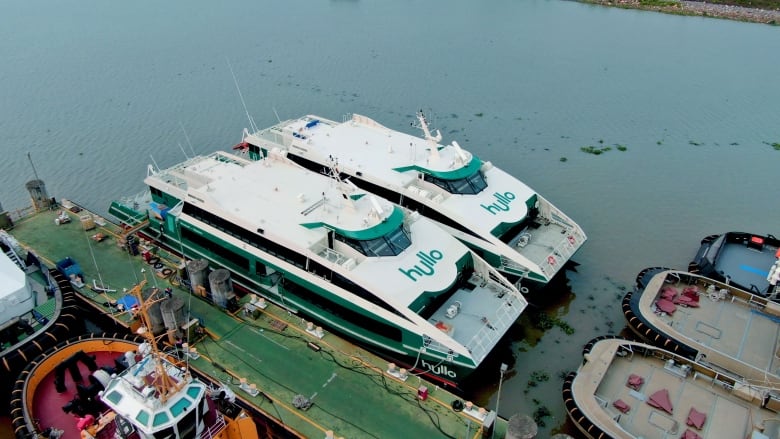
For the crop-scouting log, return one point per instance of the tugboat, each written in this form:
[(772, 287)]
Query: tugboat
[(37, 309), (122, 387), (709, 322), (628, 390)]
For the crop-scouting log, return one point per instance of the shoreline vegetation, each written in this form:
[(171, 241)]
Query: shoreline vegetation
[(755, 11)]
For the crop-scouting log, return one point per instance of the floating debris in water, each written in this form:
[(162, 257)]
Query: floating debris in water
[(594, 150), (540, 375), (694, 143), (563, 159), (540, 413), (775, 145), (544, 322)]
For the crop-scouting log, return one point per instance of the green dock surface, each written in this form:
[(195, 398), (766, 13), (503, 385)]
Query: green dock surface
[(352, 396)]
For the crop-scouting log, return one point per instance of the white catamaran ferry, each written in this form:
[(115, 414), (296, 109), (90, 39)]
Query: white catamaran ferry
[(506, 222), (376, 272)]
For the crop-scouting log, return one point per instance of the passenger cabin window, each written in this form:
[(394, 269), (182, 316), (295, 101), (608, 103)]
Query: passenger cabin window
[(390, 244), (473, 184)]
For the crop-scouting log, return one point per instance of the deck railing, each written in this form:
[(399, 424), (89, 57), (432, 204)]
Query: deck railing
[(494, 327), (213, 430)]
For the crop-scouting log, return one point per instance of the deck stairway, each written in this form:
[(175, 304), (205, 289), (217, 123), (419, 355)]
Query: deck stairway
[(11, 253), (14, 257)]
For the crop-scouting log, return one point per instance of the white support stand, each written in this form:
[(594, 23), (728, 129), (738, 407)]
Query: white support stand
[(317, 332), (397, 373), (249, 388), (475, 412), (190, 352)]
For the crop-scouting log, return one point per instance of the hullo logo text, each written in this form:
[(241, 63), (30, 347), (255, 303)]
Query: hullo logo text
[(425, 267), (501, 204), (439, 369)]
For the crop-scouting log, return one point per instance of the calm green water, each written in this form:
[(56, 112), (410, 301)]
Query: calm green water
[(97, 90)]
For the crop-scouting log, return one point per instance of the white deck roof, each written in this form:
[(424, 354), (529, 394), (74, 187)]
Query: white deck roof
[(15, 297), (278, 196), (368, 147)]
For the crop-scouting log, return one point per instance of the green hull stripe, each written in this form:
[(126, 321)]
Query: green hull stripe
[(391, 223), (456, 174)]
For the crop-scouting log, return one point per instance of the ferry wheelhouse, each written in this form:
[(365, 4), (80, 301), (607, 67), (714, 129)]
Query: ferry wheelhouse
[(506, 222), (386, 277)]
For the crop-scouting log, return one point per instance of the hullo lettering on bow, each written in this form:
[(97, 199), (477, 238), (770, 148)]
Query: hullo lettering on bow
[(425, 267), (501, 204)]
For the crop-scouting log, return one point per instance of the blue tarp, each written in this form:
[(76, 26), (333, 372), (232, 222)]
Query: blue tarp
[(127, 301), (69, 267), (160, 209)]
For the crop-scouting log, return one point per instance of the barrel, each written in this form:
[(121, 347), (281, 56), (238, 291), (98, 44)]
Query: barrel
[(173, 313), (156, 322), (197, 270), (221, 287)]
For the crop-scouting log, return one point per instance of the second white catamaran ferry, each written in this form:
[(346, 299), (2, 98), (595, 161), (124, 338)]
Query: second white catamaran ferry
[(385, 276), (506, 222)]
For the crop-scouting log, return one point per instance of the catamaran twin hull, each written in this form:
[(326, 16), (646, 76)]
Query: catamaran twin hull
[(391, 280), (515, 229), (300, 293)]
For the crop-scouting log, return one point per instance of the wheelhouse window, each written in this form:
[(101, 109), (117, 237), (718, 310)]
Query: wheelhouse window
[(473, 184), (390, 244)]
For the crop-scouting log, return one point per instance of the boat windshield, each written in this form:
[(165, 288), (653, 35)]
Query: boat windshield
[(389, 244), (473, 184)]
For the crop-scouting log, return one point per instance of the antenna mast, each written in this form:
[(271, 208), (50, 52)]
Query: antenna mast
[(433, 142), (163, 384), (188, 140), (29, 157), (235, 81), (344, 186)]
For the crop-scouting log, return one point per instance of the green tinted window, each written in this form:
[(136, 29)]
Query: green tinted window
[(142, 417), (160, 418), (114, 397), (180, 406)]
